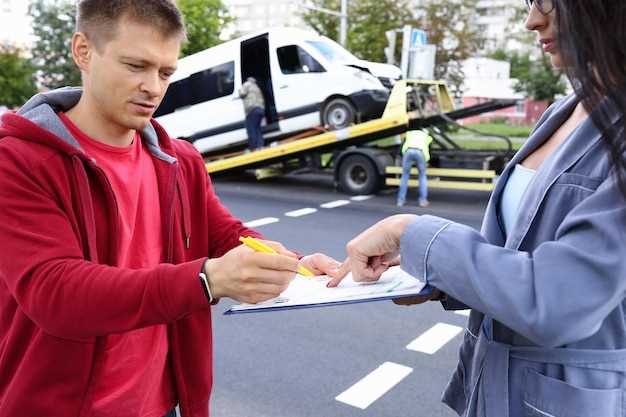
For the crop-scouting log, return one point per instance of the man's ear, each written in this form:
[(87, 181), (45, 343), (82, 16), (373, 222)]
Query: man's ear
[(82, 50)]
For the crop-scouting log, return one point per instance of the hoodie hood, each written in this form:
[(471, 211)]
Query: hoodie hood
[(37, 121)]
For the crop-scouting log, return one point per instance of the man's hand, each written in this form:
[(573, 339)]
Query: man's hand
[(373, 251), (251, 277), (320, 264)]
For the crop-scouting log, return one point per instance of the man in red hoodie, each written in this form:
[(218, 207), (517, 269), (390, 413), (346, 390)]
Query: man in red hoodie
[(114, 244)]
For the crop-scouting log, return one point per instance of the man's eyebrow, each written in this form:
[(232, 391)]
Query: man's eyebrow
[(146, 62)]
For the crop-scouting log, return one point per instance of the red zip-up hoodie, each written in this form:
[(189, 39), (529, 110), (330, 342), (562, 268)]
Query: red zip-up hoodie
[(60, 288)]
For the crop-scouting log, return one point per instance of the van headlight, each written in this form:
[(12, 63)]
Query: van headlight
[(367, 77)]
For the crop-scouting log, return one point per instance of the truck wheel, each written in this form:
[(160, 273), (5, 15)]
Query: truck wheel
[(358, 175), (338, 113)]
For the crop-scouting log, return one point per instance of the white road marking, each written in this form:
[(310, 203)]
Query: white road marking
[(373, 386), (336, 203), (361, 197), (465, 313), (434, 338), (261, 222), (301, 212)]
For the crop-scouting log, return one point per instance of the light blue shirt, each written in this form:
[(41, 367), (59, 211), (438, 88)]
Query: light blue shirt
[(512, 195)]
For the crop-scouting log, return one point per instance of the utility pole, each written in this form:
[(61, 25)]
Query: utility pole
[(342, 15), (343, 34)]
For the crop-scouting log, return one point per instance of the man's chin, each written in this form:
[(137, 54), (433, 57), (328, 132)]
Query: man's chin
[(138, 123)]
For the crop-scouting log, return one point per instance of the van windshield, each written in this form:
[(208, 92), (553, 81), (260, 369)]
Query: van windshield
[(332, 51)]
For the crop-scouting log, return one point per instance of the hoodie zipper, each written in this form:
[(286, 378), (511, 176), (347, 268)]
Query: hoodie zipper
[(116, 225), (184, 206)]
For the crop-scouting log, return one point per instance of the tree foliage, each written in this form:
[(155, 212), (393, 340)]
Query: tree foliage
[(448, 24), (17, 78), (535, 76), (204, 20), (53, 26)]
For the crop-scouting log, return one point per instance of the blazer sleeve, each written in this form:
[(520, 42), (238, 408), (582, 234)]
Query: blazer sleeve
[(525, 290)]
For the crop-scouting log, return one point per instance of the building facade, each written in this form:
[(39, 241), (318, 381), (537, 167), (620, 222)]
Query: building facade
[(254, 15), (15, 26)]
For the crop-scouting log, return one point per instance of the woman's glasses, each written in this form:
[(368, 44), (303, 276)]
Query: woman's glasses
[(544, 6)]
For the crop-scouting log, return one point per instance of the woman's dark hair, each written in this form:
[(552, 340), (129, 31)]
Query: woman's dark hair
[(592, 42)]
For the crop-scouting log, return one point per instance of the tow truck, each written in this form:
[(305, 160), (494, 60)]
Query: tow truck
[(366, 156)]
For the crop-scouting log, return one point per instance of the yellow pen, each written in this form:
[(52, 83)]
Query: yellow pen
[(262, 247)]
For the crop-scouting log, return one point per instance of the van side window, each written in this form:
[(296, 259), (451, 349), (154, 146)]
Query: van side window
[(295, 60), (212, 83)]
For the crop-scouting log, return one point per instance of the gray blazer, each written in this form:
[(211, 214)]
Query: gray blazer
[(547, 332)]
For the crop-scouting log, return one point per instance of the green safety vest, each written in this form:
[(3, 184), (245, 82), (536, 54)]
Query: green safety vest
[(418, 139)]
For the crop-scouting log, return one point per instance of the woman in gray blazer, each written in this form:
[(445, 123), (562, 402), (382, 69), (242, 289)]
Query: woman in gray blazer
[(546, 276)]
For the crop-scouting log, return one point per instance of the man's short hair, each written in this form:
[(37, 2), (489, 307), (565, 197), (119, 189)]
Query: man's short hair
[(98, 19)]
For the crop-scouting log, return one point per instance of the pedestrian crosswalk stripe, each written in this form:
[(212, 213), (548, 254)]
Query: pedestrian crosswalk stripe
[(261, 222), (434, 338), (375, 385), (301, 212), (336, 203)]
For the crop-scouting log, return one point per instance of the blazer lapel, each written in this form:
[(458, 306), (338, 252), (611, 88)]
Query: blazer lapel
[(584, 137), (492, 228)]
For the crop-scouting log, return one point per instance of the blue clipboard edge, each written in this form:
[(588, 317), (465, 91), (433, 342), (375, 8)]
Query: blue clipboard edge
[(427, 290)]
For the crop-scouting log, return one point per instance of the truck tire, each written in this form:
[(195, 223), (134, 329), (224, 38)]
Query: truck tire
[(338, 113), (358, 175)]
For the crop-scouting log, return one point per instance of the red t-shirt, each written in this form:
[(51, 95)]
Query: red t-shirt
[(132, 373)]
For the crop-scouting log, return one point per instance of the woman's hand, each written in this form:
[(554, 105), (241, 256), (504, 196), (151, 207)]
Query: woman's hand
[(373, 251)]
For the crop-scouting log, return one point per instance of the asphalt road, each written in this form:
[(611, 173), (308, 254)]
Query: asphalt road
[(348, 361)]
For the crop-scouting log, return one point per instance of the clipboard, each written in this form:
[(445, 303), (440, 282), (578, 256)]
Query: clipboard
[(311, 292)]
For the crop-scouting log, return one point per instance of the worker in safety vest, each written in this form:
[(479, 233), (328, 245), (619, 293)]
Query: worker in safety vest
[(415, 149)]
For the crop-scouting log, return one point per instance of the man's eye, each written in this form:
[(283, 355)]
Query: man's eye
[(135, 67)]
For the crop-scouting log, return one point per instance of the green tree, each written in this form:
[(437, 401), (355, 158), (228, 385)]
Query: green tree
[(368, 22), (17, 78), (541, 81), (450, 26), (204, 20), (535, 77), (53, 26), (323, 23)]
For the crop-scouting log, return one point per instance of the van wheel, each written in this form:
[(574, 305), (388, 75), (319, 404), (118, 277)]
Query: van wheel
[(338, 113), (358, 175)]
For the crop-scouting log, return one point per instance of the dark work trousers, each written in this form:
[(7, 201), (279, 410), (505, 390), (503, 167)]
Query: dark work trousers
[(253, 127)]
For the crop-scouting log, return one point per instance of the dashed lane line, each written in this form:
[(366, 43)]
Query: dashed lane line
[(261, 222), (373, 386), (361, 197), (336, 203), (434, 338), (300, 212)]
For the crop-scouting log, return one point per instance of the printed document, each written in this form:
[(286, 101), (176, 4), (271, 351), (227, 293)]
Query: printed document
[(305, 292)]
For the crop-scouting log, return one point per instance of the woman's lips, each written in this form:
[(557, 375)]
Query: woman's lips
[(548, 45)]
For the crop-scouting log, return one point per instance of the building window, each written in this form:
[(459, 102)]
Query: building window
[(519, 106)]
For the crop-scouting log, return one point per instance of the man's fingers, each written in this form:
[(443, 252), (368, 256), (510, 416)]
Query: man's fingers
[(275, 262), (320, 264), (278, 247)]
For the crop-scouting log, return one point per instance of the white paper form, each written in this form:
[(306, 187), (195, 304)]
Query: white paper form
[(304, 292)]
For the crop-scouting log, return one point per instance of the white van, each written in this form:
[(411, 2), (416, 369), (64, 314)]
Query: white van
[(307, 80)]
